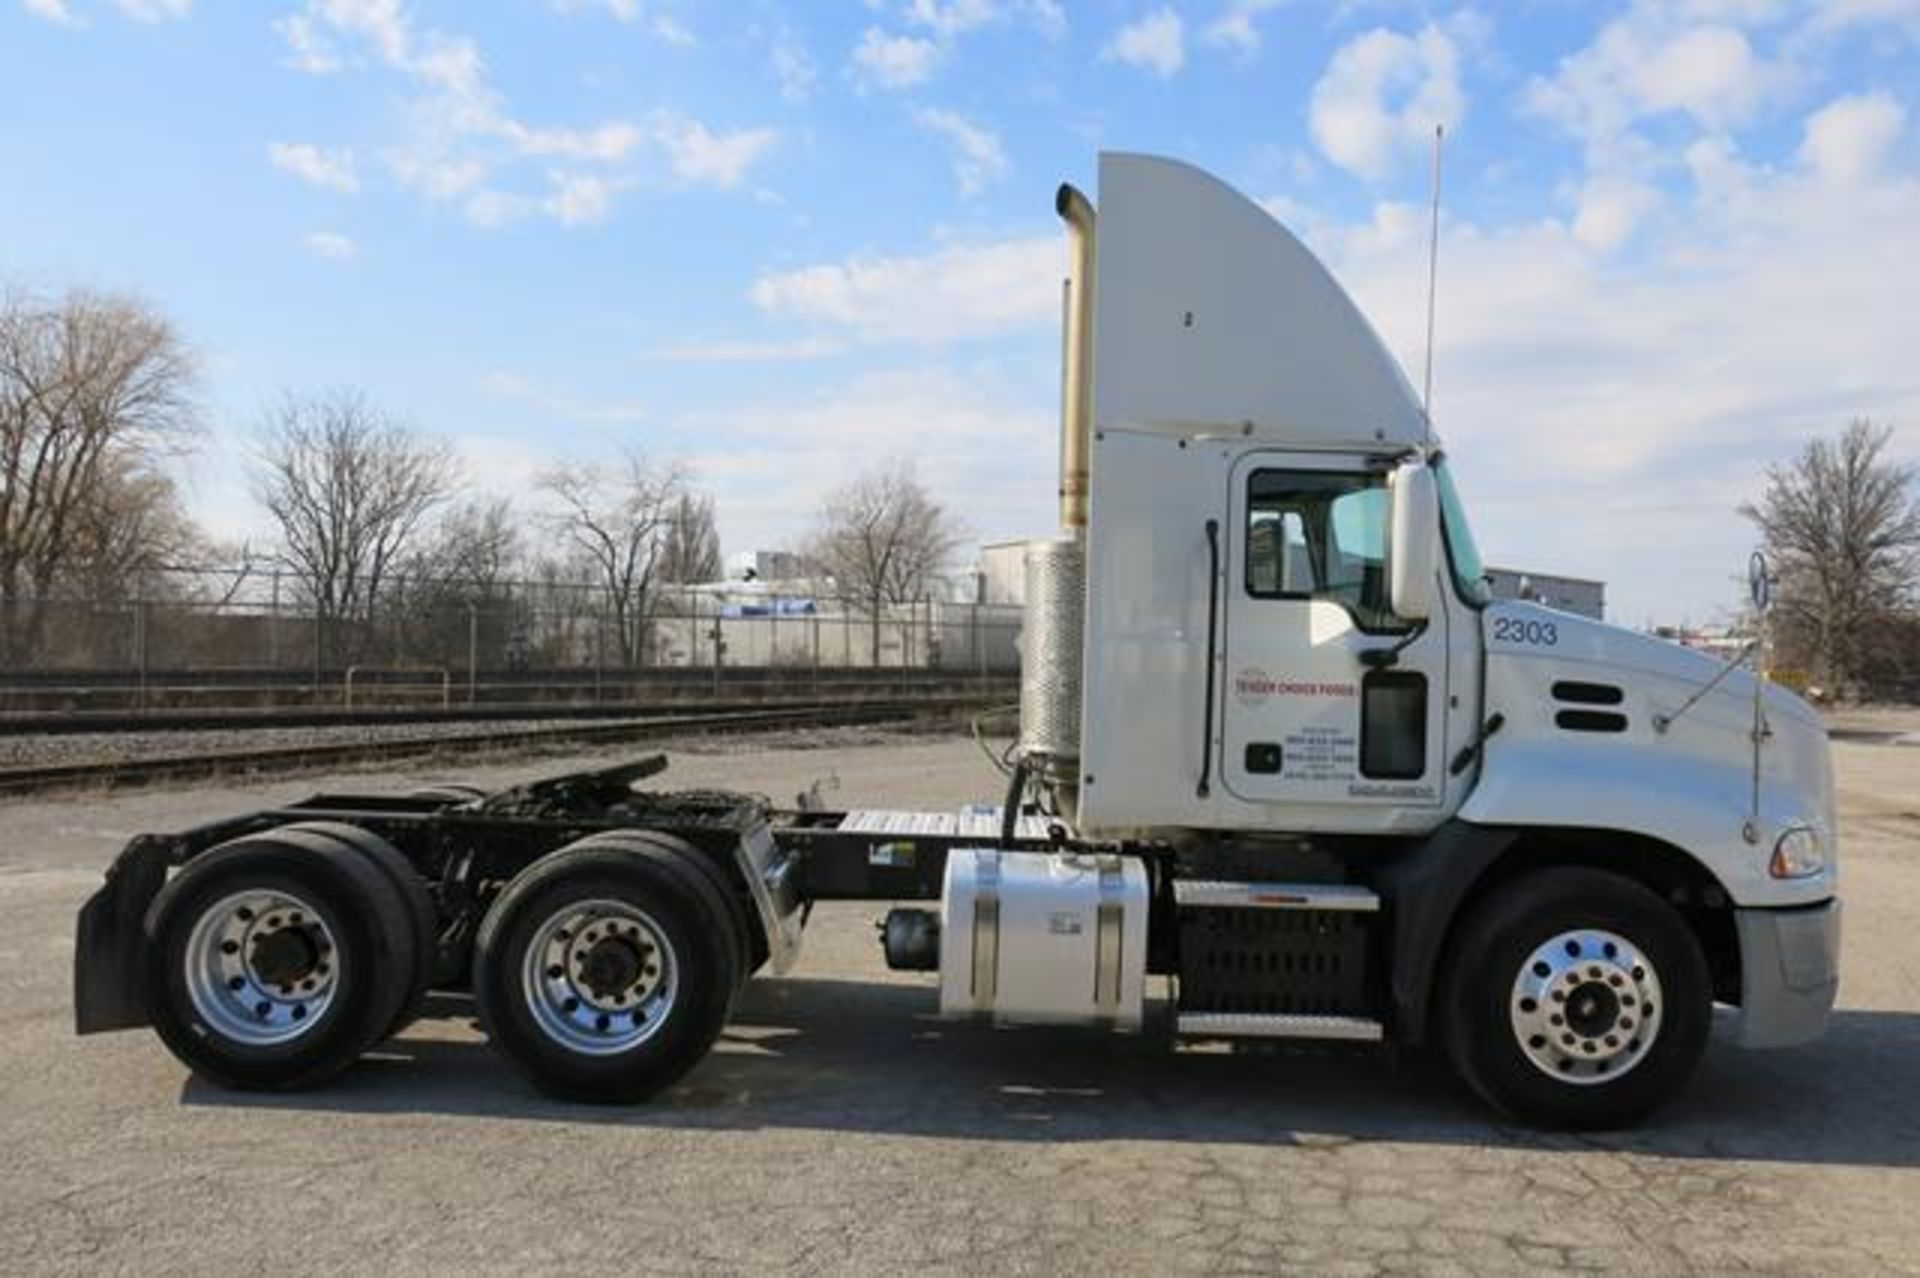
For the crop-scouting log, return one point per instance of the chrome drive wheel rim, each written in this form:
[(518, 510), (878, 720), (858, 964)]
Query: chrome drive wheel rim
[(600, 977), (1586, 1007), (262, 967)]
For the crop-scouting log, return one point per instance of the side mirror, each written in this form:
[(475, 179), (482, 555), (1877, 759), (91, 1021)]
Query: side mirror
[(1414, 542)]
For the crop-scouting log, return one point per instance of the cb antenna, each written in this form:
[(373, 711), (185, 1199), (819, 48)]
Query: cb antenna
[(1433, 277)]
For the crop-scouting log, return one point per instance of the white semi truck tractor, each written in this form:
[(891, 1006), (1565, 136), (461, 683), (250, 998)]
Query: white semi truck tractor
[(1285, 771)]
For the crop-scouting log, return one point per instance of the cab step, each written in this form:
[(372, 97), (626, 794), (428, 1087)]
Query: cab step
[(1352, 1029), (1225, 894)]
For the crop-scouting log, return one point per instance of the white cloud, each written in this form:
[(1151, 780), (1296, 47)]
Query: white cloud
[(1609, 411), (620, 10), (1155, 43), (894, 62), (958, 292), (61, 12), (1381, 96), (701, 157), (503, 385), (331, 245), (1610, 209), (331, 168), (977, 155), (948, 18), (154, 10), (602, 144), (580, 199), (986, 436), (464, 143), (308, 47), (673, 31), (793, 70), (1847, 140), (56, 11), (1049, 18), (1237, 28), (725, 352), (1656, 60)]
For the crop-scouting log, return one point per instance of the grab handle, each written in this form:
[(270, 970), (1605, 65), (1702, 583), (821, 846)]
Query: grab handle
[(1213, 621)]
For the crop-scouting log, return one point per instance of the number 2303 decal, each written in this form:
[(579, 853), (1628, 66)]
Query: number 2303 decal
[(1522, 630)]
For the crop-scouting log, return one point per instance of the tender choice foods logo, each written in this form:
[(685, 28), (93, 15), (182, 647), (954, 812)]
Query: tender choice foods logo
[(1254, 687)]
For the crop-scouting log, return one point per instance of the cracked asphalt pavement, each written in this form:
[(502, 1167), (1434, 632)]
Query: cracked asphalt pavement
[(840, 1127)]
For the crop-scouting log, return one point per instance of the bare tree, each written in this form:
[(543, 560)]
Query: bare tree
[(1843, 530), (350, 489), (692, 551), (92, 390), (883, 539), (620, 516), (456, 589)]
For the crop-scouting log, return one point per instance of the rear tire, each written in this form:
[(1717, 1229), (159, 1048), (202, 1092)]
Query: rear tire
[(1575, 998), (420, 945), (606, 971), (450, 794), (704, 875), (273, 961)]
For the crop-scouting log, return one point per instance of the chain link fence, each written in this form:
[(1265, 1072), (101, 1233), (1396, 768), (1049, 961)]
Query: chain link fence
[(207, 638)]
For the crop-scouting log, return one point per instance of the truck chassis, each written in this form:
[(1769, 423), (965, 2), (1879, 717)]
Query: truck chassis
[(604, 929)]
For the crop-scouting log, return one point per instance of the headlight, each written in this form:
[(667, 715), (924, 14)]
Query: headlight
[(1798, 855)]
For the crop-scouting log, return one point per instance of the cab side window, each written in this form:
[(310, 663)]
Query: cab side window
[(1320, 535)]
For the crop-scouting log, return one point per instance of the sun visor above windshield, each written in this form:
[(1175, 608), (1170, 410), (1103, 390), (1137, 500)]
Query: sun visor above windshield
[(1210, 315)]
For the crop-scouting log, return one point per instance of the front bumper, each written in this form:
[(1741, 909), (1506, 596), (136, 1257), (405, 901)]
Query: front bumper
[(1790, 972)]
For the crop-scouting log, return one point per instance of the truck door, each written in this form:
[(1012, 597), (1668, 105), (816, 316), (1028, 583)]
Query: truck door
[(1304, 721)]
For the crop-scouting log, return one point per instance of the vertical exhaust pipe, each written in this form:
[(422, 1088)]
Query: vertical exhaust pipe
[(1076, 392)]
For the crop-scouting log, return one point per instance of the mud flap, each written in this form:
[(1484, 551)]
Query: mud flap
[(110, 949)]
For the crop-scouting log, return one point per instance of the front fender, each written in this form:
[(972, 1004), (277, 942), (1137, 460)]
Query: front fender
[(1696, 804)]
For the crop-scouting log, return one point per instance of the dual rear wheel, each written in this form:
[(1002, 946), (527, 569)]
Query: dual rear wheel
[(606, 971), (603, 971), (278, 958)]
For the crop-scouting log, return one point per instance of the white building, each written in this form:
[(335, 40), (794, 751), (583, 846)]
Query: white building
[(1581, 595)]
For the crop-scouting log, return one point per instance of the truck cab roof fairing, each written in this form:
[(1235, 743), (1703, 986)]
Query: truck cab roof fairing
[(1211, 315)]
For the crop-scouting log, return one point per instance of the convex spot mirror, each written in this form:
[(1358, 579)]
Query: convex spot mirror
[(1414, 548)]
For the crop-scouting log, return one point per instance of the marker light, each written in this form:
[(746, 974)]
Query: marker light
[(1798, 854)]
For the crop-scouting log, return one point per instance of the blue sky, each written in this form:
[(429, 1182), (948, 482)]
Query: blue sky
[(781, 242)]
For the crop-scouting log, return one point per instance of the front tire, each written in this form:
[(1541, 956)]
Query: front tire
[(1575, 998), (606, 971)]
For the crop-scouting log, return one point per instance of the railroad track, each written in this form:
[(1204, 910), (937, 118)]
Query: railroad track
[(74, 723), (293, 758)]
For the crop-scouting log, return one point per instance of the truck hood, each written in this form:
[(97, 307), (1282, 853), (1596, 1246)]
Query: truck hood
[(1595, 736), (1667, 672)]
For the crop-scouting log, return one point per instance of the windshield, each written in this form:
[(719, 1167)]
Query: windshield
[(1469, 574)]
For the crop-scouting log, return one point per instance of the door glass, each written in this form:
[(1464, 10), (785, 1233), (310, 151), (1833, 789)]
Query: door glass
[(1318, 535)]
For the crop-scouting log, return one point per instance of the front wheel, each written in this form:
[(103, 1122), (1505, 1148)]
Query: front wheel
[(1576, 998)]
